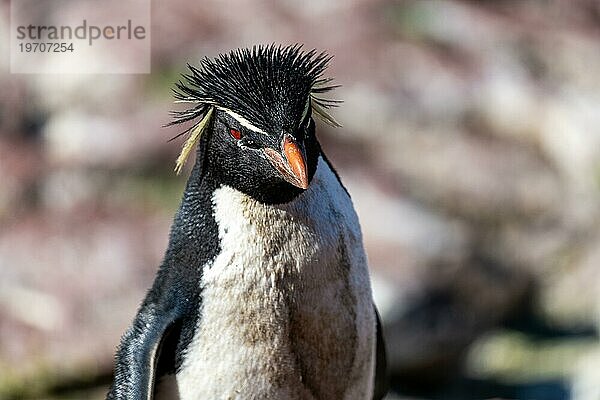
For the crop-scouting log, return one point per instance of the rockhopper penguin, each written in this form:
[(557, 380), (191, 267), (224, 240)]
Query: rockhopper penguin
[(264, 291)]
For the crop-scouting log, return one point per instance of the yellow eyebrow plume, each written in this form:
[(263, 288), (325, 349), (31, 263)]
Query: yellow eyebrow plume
[(324, 115), (192, 140)]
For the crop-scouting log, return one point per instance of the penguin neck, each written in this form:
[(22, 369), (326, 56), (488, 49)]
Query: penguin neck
[(194, 233), (194, 238)]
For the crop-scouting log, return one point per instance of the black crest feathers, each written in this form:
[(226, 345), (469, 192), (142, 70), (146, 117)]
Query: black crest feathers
[(270, 86)]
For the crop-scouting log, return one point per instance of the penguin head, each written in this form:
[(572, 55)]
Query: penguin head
[(271, 166), (254, 110)]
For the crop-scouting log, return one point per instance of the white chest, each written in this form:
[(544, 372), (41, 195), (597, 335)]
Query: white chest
[(286, 309)]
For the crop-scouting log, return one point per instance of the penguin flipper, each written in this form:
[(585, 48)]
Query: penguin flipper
[(380, 387), (138, 354)]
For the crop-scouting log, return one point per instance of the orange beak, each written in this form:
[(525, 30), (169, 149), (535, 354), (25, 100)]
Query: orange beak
[(296, 161), (293, 167)]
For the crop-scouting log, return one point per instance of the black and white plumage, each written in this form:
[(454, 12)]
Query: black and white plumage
[(264, 291)]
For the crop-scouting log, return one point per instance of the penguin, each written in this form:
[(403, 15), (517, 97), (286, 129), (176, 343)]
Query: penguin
[(264, 290)]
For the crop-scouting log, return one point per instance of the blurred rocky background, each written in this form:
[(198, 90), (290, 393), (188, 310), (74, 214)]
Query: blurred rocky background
[(471, 146)]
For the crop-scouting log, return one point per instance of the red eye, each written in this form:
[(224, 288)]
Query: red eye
[(237, 135)]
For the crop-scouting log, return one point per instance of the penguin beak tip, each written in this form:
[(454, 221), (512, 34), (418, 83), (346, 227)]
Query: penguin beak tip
[(291, 163), (296, 161)]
